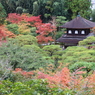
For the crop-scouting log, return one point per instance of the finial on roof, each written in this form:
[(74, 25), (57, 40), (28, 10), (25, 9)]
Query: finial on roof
[(78, 15)]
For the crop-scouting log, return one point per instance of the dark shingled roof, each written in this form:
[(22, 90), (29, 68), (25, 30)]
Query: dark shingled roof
[(79, 23), (70, 39)]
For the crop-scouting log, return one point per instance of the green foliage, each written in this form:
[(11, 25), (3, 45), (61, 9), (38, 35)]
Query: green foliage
[(33, 59), (2, 14), (78, 6), (35, 47), (13, 28), (8, 52), (60, 20), (5, 69), (93, 15), (78, 56), (15, 77), (19, 10), (48, 8), (59, 33), (55, 52), (35, 8), (32, 87), (89, 41), (52, 49), (33, 31), (45, 8), (26, 57), (56, 8), (25, 40), (9, 5), (89, 66)]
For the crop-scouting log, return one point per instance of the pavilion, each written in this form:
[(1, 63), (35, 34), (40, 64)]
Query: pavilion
[(77, 30)]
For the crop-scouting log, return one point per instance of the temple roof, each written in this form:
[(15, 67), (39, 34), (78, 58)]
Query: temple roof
[(79, 23), (70, 39), (73, 39)]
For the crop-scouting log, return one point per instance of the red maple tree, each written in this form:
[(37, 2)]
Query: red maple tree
[(14, 18), (34, 20), (43, 29)]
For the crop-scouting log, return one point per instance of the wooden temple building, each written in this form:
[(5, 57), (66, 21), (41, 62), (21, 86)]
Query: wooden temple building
[(77, 30)]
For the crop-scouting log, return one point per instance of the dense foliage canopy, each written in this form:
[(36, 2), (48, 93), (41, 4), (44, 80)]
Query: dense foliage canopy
[(31, 62), (2, 14), (49, 8)]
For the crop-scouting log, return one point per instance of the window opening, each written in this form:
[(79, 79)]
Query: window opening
[(76, 32), (82, 32), (69, 32)]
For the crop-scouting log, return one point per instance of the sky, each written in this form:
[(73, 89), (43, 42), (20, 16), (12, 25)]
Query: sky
[(93, 4)]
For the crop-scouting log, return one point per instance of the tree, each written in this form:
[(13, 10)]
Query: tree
[(14, 18), (60, 20), (13, 28), (26, 57), (55, 52), (2, 35), (78, 6), (43, 32), (62, 77), (22, 40), (9, 5), (45, 8), (2, 14), (89, 41), (5, 69), (93, 15), (53, 8), (35, 8), (5, 33), (23, 28), (75, 57), (19, 10)]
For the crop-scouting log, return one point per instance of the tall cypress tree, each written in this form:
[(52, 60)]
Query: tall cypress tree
[(35, 8)]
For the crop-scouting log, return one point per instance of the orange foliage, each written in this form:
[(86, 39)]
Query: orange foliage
[(24, 21), (43, 31), (60, 78), (2, 35), (76, 77), (23, 28), (65, 79), (24, 17), (9, 34), (22, 72), (90, 83), (43, 39), (6, 32)]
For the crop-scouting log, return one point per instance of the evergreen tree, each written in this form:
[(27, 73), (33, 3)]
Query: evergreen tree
[(2, 14), (93, 15), (78, 6), (35, 8)]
